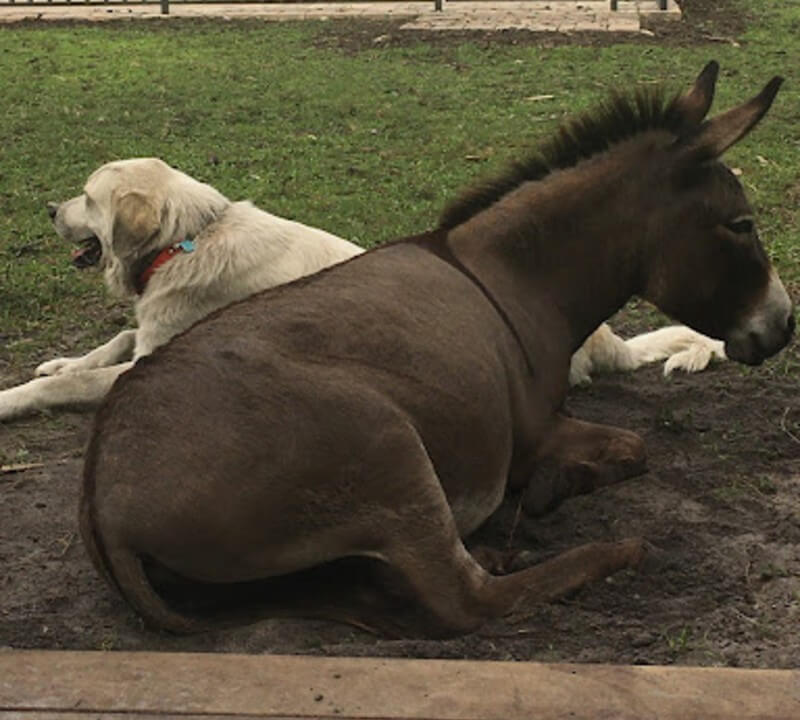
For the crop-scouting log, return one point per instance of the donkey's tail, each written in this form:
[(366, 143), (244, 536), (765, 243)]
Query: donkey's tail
[(681, 348), (123, 569)]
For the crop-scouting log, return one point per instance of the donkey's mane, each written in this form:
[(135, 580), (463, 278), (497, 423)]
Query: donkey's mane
[(620, 118)]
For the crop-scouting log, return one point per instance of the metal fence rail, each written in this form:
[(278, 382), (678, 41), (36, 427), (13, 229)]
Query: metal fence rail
[(438, 4)]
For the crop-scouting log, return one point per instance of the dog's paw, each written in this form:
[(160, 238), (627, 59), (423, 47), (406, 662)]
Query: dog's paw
[(58, 366), (696, 358)]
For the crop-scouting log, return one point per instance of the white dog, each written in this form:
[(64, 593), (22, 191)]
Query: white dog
[(182, 250)]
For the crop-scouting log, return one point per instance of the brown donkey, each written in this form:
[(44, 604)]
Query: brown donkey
[(375, 412)]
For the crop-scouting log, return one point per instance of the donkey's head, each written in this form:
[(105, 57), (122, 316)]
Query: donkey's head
[(705, 233)]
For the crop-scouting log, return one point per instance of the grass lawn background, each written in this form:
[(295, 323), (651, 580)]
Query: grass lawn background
[(368, 144)]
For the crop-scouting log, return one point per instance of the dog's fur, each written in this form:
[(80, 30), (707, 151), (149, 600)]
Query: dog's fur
[(132, 208)]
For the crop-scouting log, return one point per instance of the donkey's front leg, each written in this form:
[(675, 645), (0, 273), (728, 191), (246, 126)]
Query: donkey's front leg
[(578, 457)]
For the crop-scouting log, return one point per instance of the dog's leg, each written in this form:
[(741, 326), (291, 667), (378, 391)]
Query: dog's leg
[(681, 347), (75, 390), (116, 350), (603, 351), (578, 457)]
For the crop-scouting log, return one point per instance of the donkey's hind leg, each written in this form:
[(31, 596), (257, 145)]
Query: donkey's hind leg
[(450, 592), (578, 457), (453, 594)]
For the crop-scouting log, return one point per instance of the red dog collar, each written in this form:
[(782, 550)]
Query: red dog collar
[(184, 246)]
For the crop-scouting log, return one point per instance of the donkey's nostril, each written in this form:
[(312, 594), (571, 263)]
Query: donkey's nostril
[(52, 209)]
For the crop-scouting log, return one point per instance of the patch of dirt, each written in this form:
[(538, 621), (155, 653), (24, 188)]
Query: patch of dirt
[(715, 17), (702, 22), (720, 506)]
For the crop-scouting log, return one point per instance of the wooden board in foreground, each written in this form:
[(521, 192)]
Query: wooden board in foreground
[(55, 685)]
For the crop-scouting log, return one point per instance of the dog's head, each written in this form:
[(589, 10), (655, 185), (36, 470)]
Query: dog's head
[(130, 209)]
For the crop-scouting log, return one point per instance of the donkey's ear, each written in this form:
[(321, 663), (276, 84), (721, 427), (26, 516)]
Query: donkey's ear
[(695, 103), (719, 133), (136, 220)]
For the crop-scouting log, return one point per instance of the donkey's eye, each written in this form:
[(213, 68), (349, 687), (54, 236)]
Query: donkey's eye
[(740, 225)]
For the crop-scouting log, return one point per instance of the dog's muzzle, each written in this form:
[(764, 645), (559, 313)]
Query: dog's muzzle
[(89, 250), (88, 254)]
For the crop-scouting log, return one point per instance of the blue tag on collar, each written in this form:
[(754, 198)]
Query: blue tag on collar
[(186, 245)]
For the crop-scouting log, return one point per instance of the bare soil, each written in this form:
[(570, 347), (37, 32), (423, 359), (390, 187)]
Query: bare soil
[(720, 505)]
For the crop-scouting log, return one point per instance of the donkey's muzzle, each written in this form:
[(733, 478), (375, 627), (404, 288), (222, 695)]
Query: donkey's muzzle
[(767, 329), (753, 347)]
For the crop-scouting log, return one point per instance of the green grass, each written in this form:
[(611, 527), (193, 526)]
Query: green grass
[(369, 144)]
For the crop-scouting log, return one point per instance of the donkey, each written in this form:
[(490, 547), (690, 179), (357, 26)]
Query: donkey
[(376, 412)]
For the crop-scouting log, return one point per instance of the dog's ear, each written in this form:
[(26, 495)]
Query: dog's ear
[(136, 220)]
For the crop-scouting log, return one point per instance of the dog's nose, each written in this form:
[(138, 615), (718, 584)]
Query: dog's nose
[(52, 209)]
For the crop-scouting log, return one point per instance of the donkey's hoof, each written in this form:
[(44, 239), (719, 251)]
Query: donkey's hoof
[(654, 560)]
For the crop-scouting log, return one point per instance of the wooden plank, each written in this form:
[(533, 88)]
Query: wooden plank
[(274, 687), (38, 715)]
